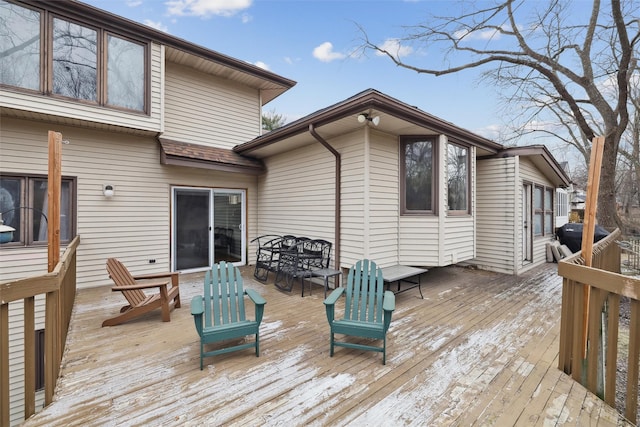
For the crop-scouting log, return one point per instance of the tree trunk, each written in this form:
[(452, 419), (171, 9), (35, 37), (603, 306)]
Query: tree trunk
[(607, 214)]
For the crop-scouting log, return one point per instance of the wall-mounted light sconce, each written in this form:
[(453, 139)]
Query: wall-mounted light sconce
[(108, 190), (234, 199), (365, 117)]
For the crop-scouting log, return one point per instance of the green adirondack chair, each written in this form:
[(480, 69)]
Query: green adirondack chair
[(368, 308), (219, 315)]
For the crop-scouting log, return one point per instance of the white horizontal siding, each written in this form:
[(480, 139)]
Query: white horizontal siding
[(134, 225), (297, 196), (92, 113), (496, 211), (208, 110), (383, 199)]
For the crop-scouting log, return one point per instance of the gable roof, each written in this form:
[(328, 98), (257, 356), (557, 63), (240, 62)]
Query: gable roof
[(178, 50), (396, 117), (542, 159)]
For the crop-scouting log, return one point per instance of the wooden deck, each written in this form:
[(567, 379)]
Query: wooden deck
[(479, 349)]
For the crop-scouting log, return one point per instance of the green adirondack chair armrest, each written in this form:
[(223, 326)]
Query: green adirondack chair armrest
[(197, 310), (259, 302), (388, 306), (330, 303), (388, 301)]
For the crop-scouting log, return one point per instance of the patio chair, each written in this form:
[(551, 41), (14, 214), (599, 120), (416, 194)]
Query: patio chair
[(368, 309), (219, 315), (139, 302), (267, 254)]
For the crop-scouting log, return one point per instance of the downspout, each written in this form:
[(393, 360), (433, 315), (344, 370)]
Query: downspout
[(337, 214)]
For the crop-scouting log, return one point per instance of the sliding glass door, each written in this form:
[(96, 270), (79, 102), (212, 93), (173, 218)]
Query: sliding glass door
[(208, 227)]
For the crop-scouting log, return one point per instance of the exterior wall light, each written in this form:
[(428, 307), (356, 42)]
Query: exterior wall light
[(365, 117), (108, 191)]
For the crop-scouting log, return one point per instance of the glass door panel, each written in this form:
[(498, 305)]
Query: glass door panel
[(227, 226), (191, 228)]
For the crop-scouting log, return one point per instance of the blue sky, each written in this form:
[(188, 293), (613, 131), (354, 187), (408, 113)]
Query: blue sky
[(313, 42)]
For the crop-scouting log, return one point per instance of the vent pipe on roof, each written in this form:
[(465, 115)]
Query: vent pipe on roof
[(337, 214)]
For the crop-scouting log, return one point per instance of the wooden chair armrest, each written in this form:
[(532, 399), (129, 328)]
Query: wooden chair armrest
[(143, 285), (174, 276)]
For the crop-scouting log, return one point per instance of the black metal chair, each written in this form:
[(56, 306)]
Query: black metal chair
[(267, 255)]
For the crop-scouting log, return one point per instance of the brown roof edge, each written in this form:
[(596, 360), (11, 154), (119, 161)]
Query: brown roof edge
[(369, 98), (77, 9), (186, 154), (534, 150)]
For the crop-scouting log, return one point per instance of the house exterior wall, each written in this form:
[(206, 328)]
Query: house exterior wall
[(371, 224), (77, 113), (500, 215), (496, 209), (530, 173), (442, 239), (207, 110), (297, 195), (135, 224)]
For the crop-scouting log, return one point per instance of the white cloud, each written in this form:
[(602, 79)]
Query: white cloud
[(246, 18), (157, 25), (134, 3), (261, 65), (492, 132), (325, 53), (395, 49), (206, 7)]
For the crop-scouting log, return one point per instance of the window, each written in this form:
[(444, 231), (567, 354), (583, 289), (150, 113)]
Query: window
[(75, 60), (548, 211), (542, 211), (562, 203), (84, 63), (418, 181), (457, 178), (19, 46), (125, 73), (24, 204)]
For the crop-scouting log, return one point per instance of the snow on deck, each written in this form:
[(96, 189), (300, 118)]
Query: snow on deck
[(480, 349)]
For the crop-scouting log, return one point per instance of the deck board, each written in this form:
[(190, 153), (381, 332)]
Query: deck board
[(480, 349)]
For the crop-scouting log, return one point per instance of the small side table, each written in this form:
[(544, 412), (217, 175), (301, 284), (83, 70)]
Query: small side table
[(325, 273)]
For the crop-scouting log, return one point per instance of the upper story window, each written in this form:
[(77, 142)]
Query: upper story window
[(418, 175), (86, 63), (24, 203), (458, 178)]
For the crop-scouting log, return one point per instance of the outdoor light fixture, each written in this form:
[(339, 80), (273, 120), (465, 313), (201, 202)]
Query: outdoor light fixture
[(108, 191), (6, 232), (364, 117)]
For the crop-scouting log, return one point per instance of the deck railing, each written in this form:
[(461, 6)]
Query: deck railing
[(59, 289), (597, 368)]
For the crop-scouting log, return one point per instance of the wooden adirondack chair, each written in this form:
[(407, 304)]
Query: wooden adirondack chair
[(368, 308), (219, 315), (139, 302)]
